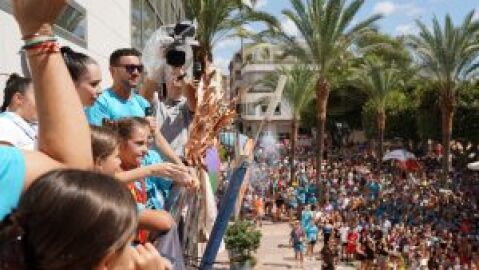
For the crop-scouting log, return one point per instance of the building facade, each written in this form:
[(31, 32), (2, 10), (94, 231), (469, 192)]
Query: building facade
[(245, 73), (95, 27)]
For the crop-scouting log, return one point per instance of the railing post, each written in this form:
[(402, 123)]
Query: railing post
[(221, 223)]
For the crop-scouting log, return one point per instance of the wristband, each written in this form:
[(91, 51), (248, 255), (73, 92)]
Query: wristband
[(38, 40), (43, 48)]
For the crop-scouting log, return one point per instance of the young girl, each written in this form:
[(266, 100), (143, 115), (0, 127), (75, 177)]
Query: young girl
[(120, 148), (297, 240), (18, 114), (71, 219)]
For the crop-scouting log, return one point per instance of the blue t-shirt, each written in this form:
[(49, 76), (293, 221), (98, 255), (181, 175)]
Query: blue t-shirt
[(374, 189), (312, 233), (112, 107), (12, 178), (306, 218), (158, 188), (301, 197)]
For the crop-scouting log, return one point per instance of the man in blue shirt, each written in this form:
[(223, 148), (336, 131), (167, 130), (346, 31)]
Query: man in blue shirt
[(120, 100)]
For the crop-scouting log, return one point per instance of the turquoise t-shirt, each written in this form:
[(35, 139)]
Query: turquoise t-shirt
[(312, 233), (158, 188), (110, 106), (12, 178), (306, 218)]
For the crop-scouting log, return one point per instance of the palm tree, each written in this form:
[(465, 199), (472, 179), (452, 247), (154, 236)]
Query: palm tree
[(380, 84), (326, 35), (219, 19), (298, 91), (448, 56)]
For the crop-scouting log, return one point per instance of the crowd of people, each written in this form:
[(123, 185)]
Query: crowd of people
[(85, 173), (387, 218)]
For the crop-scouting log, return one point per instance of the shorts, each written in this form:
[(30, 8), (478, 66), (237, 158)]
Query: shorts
[(312, 242), (298, 247)]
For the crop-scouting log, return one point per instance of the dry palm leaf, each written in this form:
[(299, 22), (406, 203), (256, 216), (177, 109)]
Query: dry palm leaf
[(210, 118)]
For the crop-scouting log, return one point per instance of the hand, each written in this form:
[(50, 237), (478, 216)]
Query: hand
[(152, 123), (192, 85), (147, 258), (177, 173), (194, 183), (36, 16)]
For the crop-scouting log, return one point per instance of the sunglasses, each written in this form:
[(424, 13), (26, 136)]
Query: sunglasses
[(131, 68)]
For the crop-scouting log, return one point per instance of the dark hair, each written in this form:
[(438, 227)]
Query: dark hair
[(124, 127), (104, 140), (116, 55), (68, 219), (76, 62), (15, 84)]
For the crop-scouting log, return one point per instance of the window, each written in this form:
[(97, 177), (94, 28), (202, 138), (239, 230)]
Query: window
[(5, 6), (147, 16), (149, 22), (70, 25), (136, 11), (264, 108), (277, 111), (250, 109)]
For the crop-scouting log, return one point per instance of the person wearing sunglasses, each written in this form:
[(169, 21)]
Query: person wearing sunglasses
[(120, 100)]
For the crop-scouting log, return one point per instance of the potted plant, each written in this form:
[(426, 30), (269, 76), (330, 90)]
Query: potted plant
[(242, 239)]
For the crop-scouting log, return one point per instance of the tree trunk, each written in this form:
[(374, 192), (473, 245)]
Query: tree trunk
[(294, 138), (381, 119), (447, 113), (322, 95)]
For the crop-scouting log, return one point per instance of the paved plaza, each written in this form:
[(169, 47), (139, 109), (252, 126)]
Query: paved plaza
[(275, 253)]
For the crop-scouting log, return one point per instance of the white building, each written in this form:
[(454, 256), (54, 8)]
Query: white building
[(95, 27), (244, 75)]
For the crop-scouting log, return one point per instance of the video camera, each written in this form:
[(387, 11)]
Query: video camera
[(181, 35)]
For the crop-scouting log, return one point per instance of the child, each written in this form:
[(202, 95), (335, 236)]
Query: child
[(106, 144), (312, 237), (296, 240), (259, 210), (71, 219)]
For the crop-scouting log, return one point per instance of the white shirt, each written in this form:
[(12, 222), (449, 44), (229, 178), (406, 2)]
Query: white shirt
[(343, 233), (16, 131)]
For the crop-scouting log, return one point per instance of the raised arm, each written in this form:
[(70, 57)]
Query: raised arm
[(148, 89), (63, 131)]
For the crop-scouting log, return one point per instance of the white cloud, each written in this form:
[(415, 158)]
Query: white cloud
[(260, 4), (385, 8), (476, 14), (411, 10), (289, 27), (406, 29), (229, 42)]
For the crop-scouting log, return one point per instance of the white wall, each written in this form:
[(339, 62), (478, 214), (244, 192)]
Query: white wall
[(108, 29)]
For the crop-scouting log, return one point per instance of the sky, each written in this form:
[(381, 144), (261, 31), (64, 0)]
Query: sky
[(399, 18)]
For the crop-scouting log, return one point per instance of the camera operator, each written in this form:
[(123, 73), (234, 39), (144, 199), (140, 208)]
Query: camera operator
[(175, 113)]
